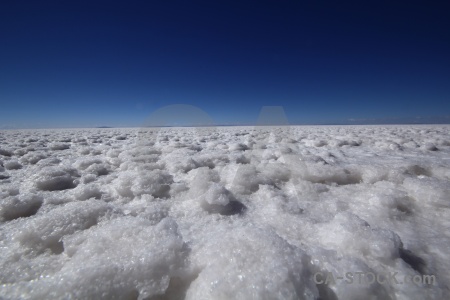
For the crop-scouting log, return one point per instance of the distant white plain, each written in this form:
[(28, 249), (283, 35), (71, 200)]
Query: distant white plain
[(223, 213)]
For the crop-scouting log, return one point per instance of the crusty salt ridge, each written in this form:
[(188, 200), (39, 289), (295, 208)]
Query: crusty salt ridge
[(229, 213)]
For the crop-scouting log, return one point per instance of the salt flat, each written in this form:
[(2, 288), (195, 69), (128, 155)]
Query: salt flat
[(224, 212)]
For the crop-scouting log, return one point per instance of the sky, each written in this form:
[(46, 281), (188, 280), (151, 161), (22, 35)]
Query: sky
[(107, 63)]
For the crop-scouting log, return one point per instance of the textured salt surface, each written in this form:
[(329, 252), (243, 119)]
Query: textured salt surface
[(224, 213)]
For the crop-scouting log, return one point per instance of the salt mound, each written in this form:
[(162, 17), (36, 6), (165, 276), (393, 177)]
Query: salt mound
[(5, 152), (12, 165), (59, 146), (230, 270), (54, 178), (103, 254), (32, 158), (19, 206), (154, 182)]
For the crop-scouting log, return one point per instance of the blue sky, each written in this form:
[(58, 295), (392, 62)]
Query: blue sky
[(94, 63)]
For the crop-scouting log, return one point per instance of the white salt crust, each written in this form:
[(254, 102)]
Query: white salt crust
[(224, 213)]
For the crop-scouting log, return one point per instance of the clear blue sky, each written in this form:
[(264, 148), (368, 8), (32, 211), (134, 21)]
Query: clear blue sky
[(92, 63)]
